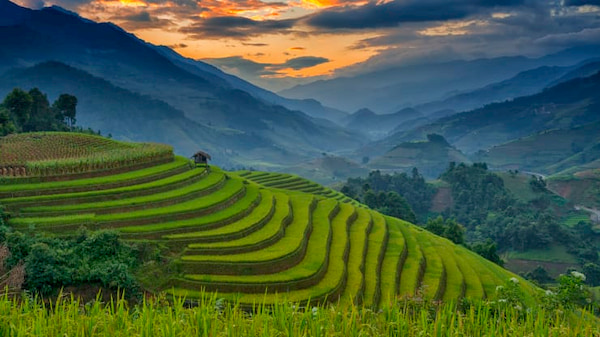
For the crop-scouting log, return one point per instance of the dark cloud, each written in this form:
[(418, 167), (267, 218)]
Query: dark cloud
[(236, 27), (582, 2), (133, 19), (241, 66), (255, 44), (178, 45), (303, 62), (393, 13), (584, 37), (251, 69), (297, 48), (138, 17)]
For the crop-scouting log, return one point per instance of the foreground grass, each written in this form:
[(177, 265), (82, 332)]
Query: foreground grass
[(212, 317)]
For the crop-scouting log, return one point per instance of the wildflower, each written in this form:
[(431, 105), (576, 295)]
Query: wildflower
[(502, 300), (514, 280), (518, 307), (499, 288), (549, 292), (578, 275)]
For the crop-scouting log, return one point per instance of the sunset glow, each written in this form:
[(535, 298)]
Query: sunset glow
[(324, 38)]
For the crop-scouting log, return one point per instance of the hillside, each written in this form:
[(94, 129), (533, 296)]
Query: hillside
[(329, 169), (210, 98), (582, 187), (571, 149), (256, 234), (430, 157), (567, 105)]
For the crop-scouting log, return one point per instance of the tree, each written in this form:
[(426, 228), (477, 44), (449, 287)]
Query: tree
[(66, 108), (571, 290), (449, 228), (592, 271), (488, 250), (538, 184), (7, 126), (540, 275), (454, 232), (40, 117), (19, 104)]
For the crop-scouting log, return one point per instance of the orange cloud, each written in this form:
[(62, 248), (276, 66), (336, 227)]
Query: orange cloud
[(330, 3), (253, 8)]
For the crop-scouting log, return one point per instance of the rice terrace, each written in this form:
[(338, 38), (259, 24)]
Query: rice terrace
[(251, 238)]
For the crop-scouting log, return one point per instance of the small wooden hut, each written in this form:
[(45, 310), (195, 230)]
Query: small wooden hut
[(201, 158)]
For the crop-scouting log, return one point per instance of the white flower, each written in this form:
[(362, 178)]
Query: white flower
[(499, 288), (549, 292), (518, 307), (514, 280), (502, 300), (578, 275)]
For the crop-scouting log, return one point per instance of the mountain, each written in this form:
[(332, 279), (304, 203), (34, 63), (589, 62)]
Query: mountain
[(430, 157), (394, 88), (377, 126), (585, 70), (570, 149), (106, 51), (524, 83), (567, 105), (310, 106), (130, 116)]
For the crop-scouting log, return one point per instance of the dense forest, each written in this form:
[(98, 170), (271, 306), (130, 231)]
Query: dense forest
[(484, 215)]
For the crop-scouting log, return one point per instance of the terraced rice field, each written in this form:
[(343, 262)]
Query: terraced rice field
[(257, 237), (61, 155)]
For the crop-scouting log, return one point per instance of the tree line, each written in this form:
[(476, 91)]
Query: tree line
[(30, 111)]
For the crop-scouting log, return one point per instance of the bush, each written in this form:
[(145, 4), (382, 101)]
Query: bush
[(572, 292), (89, 257)]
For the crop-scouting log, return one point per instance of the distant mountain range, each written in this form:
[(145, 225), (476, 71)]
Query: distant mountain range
[(566, 105), (210, 109), (525, 83), (391, 89)]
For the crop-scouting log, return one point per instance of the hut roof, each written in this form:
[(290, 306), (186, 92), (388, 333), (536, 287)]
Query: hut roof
[(202, 153)]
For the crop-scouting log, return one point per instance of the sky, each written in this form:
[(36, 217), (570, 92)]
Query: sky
[(277, 44)]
